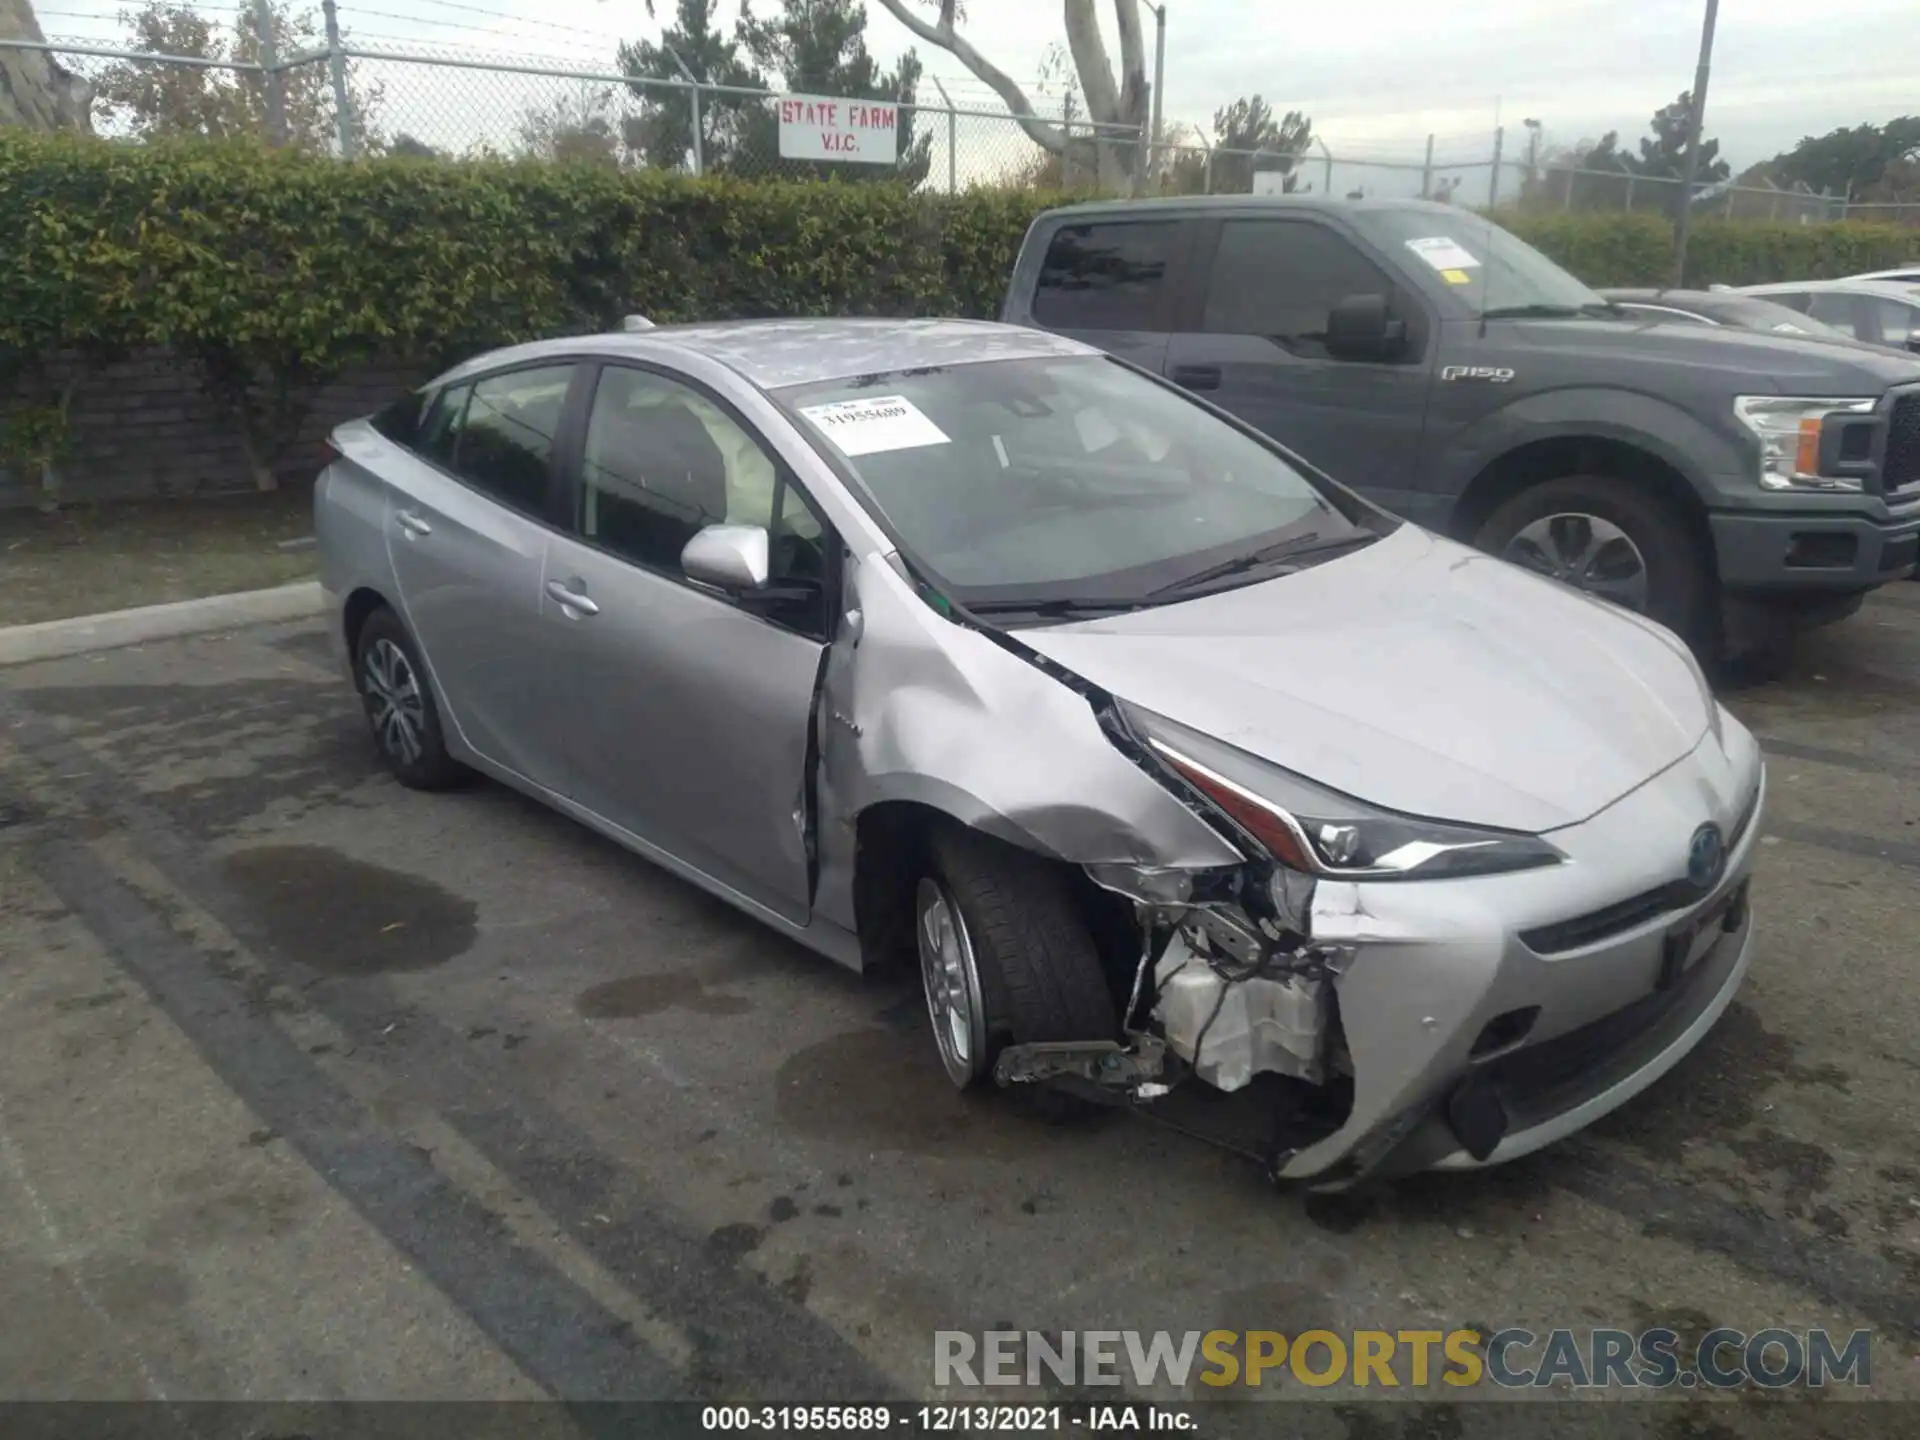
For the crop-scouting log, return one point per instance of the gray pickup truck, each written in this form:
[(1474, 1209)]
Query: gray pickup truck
[(1730, 484)]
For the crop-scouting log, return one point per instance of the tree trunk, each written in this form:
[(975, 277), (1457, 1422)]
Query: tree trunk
[(35, 89), (1113, 104)]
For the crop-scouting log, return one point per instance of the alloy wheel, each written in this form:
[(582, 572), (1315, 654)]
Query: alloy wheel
[(951, 978), (1586, 552), (395, 703)]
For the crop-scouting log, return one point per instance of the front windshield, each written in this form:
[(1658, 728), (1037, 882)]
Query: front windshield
[(1061, 478), (1487, 268)]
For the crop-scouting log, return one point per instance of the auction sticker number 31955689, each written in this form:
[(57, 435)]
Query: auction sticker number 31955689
[(1041, 1419)]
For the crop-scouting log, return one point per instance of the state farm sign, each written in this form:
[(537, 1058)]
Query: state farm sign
[(813, 127)]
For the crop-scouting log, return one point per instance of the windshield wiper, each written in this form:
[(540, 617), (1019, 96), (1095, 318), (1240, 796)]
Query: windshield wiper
[(1068, 606), (1298, 548), (1541, 311)]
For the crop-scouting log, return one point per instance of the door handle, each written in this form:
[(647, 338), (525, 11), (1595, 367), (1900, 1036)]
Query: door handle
[(1197, 377), (413, 524), (571, 599)]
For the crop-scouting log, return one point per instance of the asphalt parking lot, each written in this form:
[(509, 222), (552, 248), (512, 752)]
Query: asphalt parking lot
[(312, 1087)]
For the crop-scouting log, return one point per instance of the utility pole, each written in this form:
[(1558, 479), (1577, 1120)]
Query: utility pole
[(693, 95), (1690, 167), (952, 136), (337, 65), (273, 81)]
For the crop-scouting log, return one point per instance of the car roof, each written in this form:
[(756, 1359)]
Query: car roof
[(773, 354), (1898, 290), (1255, 204)]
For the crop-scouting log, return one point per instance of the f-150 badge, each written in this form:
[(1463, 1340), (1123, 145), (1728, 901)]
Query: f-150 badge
[(1494, 374)]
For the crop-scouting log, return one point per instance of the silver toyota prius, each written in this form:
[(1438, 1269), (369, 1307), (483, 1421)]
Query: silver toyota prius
[(1168, 761)]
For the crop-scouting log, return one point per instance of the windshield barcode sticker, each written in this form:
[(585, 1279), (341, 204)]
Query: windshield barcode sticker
[(868, 427), (1443, 252)]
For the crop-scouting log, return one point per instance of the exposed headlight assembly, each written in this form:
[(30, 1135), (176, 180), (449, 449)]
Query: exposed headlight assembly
[(1792, 431), (1322, 832)]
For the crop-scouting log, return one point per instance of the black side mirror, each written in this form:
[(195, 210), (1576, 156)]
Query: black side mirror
[(1913, 341), (1363, 327)]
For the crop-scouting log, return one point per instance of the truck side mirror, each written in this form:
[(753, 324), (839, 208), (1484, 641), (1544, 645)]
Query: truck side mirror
[(1362, 327)]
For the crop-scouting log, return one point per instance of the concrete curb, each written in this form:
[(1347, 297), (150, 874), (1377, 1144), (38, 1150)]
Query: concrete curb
[(53, 638)]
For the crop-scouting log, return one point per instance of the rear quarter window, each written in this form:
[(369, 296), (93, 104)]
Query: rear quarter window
[(400, 421)]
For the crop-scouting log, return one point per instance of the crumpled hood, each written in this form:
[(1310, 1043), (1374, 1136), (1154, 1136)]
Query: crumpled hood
[(1418, 675)]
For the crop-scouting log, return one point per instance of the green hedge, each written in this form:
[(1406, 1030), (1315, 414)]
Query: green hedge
[(277, 270), (1638, 249)]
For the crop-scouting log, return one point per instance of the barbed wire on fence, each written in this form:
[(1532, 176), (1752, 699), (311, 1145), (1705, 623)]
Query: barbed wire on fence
[(459, 101)]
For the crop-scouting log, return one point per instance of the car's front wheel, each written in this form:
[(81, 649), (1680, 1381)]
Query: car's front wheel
[(399, 703), (1609, 537), (1005, 955)]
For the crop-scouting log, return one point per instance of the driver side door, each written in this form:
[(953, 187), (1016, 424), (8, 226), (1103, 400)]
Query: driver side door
[(690, 712), (1253, 342)]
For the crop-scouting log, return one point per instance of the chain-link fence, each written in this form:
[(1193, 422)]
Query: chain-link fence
[(342, 97)]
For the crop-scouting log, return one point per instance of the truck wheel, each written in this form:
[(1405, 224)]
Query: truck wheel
[(1004, 955), (1610, 538)]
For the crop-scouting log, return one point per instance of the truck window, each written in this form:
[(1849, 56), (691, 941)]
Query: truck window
[(1105, 276), (1280, 278)]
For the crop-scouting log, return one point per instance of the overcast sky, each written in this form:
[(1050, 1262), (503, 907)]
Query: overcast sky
[(1377, 76)]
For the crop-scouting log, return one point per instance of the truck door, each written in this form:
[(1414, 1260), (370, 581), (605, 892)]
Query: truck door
[(1252, 339)]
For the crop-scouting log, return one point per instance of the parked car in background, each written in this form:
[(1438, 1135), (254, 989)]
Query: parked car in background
[(1729, 483), (1905, 275), (1877, 312), (1721, 307), (1163, 757)]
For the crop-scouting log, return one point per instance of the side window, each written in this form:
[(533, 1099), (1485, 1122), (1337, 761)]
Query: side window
[(1281, 279), (1837, 311), (1792, 299), (662, 462), (1105, 277), (400, 421), (440, 426), (504, 443), (1895, 320)]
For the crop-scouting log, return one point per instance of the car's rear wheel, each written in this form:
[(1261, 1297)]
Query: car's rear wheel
[(1005, 956), (399, 703), (1612, 538)]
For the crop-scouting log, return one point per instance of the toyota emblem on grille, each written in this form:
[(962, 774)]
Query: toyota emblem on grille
[(1706, 854)]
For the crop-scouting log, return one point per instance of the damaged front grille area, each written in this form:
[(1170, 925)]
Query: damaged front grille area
[(1631, 913), (1533, 1073)]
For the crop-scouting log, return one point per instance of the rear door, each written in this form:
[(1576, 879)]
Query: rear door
[(467, 533), (689, 712), (1253, 341), (1111, 283)]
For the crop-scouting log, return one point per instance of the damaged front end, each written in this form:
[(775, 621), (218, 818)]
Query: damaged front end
[(1230, 983), (1242, 969)]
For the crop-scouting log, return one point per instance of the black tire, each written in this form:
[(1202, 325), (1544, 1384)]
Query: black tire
[(1040, 973), (426, 765), (1678, 577)]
